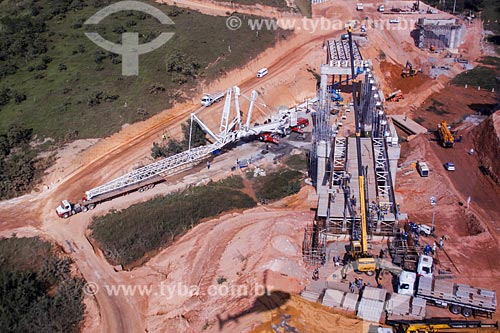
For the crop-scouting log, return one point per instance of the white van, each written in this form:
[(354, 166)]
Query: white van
[(423, 169), (262, 72), (424, 266), (406, 283)]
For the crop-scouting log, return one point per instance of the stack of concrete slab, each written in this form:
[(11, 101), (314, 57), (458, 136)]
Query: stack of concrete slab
[(310, 295), (398, 304), (350, 302), (340, 299), (418, 307), (402, 307), (372, 304), (333, 298)]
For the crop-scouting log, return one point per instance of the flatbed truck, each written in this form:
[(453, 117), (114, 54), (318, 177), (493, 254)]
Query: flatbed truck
[(459, 298)]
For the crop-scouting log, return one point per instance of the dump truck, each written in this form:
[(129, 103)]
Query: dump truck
[(209, 99), (444, 132), (459, 298)]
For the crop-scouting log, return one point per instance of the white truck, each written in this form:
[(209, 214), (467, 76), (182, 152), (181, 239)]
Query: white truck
[(425, 265), (406, 283), (359, 6), (209, 99), (381, 8), (423, 169)]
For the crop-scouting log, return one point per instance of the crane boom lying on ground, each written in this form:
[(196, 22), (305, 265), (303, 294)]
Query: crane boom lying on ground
[(146, 177), (438, 325)]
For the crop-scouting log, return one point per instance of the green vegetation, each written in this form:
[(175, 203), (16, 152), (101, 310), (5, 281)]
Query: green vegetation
[(315, 74), (63, 86), (277, 185), (128, 235), (437, 107), (480, 76), (171, 146), (305, 7), (20, 168), (37, 292), (296, 162)]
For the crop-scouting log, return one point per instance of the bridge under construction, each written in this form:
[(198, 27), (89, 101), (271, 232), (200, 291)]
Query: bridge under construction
[(335, 155)]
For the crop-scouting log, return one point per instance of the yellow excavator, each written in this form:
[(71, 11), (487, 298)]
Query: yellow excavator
[(363, 260), (435, 325)]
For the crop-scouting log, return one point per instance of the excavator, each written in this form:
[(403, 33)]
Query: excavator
[(409, 70), (362, 259), (435, 325)]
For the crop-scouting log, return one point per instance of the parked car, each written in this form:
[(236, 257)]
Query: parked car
[(450, 166)]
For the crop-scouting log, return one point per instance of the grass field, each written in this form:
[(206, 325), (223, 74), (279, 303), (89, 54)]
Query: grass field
[(483, 76), (71, 89)]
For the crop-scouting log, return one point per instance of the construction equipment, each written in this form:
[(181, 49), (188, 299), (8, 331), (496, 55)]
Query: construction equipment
[(444, 132), (395, 96), (229, 131), (409, 70), (363, 260), (434, 325)]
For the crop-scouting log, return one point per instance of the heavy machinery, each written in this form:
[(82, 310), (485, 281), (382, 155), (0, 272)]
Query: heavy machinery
[(363, 260), (395, 96), (434, 325), (229, 131), (447, 139), (409, 70)]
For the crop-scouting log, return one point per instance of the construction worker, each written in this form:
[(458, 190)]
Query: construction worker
[(352, 287), (441, 242), (427, 249), (208, 165), (434, 248)]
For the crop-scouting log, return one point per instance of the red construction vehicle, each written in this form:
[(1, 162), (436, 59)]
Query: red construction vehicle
[(269, 137), (395, 96)]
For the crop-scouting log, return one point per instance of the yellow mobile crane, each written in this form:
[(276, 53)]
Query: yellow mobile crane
[(447, 139), (363, 259)]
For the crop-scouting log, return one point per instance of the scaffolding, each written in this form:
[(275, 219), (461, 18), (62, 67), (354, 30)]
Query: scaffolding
[(314, 245)]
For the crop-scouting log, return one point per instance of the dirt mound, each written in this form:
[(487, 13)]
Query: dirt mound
[(487, 144)]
